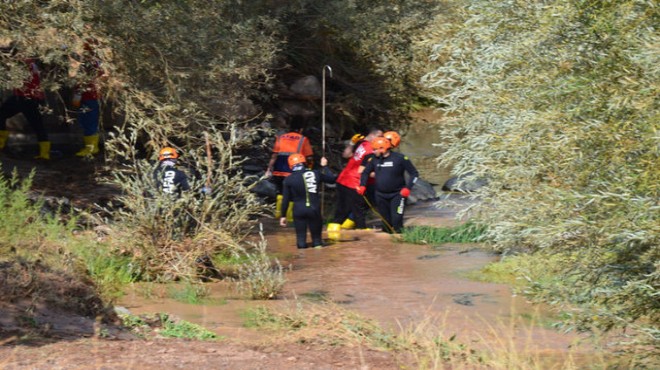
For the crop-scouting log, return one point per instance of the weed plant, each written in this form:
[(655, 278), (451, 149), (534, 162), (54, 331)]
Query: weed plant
[(189, 292), (259, 277)]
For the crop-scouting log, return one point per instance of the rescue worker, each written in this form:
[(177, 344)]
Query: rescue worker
[(86, 100), (348, 201), (391, 188), (168, 178), (302, 187), (27, 100), (285, 145)]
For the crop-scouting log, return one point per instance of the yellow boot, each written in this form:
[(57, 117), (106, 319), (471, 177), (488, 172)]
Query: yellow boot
[(91, 146), (278, 206), (348, 224), (334, 231), (44, 150), (4, 134), (289, 213)]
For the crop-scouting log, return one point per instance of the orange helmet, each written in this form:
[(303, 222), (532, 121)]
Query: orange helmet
[(393, 137), (296, 158), (167, 153), (380, 143)]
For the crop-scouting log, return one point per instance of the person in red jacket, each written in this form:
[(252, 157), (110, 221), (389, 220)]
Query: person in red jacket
[(349, 202), (27, 100)]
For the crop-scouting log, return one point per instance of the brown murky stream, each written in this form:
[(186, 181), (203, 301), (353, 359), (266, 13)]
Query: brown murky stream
[(397, 284)]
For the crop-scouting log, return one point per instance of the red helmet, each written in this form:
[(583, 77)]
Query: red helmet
[(393, 137), (296, 158), (167, 153), (380, 143)]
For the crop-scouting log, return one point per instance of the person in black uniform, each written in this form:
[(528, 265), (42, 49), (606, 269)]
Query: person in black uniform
[(168, 178), (391, 188), (302, 187)]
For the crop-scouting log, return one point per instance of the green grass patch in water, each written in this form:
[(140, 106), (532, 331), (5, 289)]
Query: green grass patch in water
[(465, 233)]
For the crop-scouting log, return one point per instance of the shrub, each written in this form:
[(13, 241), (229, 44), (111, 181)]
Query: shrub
[(554, 103)]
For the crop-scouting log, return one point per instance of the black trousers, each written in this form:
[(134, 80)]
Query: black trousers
[(391, 206), (305, 218), (30, 109), (349, 201)]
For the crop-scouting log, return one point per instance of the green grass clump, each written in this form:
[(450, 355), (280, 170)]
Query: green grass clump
[(465, 233), (189, 293)]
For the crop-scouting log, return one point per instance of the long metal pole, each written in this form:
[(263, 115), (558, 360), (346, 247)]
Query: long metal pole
[(325, 67)]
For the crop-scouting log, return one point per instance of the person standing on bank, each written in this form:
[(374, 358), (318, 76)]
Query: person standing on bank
[(27, 100), (302, 187), (285, 145), (391, 188), (86, 100)]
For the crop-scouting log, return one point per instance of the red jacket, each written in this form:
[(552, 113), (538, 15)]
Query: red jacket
[(350, 177), (31, 88)]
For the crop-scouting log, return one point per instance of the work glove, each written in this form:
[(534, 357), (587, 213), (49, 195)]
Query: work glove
[(405, 192), (361, 190), (283, 221)]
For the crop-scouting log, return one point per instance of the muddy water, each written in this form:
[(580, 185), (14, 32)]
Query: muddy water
[(399, 285), (420, 141)]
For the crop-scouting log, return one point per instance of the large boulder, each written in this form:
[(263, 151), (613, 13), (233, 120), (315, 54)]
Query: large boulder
[(464, 184), (423, 190)]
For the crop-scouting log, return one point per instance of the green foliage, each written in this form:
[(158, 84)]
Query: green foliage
[(464, 233), (184, 329), (555, 103), (189, 293), (166, 326)]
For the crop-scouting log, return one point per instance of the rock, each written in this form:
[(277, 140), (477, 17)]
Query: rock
[(308, 86), (266, 189), (465, 184), (423, 190)]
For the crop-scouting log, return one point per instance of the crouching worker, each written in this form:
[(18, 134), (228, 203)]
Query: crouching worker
[(302, 187), (391, 188)]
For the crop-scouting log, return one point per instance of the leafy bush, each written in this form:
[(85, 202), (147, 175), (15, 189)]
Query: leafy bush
[(555, 103)]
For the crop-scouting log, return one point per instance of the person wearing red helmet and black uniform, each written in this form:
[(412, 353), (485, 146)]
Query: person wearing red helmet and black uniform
[(302, 188), (391, 188), (168, 178)]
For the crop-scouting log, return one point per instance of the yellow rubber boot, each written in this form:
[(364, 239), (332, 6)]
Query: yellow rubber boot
[(278, 206), (348, 224), (91, 146), (4, 135), (334, 231), (289, 213), (44, 150)]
